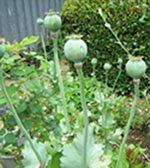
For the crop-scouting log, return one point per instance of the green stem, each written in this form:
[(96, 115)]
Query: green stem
[(106, 78), (94, 71), (43, 42), (132, 113), (85, 111), (119, 42), (115, 35), (18, 121), (116, 80), (60, 80)]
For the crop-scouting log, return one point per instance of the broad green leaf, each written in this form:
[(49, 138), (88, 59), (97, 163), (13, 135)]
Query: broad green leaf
[(148, 165), (34, 85), (73, 153), (15, 47), (10, 138), (2, 99), (140, 165), (29, 40), (124, 163), (10, 59), (30, 160)]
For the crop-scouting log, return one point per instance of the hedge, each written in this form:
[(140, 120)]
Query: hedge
[(129, 19)]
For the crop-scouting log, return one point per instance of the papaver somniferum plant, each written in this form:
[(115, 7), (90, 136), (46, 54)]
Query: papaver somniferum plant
[(53, 25), (135, 68), (82, 152)]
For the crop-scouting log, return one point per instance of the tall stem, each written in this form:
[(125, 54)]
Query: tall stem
[(106, 78), (132, 113), (114, 34), (60, 80), (18, 121), (43, 42), (94, 71), (116, 80), (119, 41), (85, 111)]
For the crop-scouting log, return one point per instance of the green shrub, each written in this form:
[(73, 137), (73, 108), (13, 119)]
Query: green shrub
[(130, 20)]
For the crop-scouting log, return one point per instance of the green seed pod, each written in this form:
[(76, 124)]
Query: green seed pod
[(94, 61), (40, 21), (75, 50), (120, 61), (136, 68), (107, 66), (53, 22), (2, 51)]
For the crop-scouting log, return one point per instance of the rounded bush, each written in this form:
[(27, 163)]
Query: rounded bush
[(53, 22), (136, 68), (2, 51), (75, 50)]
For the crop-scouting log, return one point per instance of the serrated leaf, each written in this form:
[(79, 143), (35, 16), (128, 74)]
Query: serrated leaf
[(29, 40), (73, 153), (30, 160)]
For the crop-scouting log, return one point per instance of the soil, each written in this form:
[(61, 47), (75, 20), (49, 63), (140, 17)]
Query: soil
[(142, 138)]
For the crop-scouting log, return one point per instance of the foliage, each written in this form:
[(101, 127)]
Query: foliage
[(73, 153), (132, 157), (129, 19), (30, 159), (33, 87), (15, 47)]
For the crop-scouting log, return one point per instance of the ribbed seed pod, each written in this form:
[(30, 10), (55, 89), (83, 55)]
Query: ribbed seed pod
[(75, 50), (53, 22), (136, 68)]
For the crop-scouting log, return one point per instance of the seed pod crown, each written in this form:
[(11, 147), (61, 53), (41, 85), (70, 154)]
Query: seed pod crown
[(136, 68)]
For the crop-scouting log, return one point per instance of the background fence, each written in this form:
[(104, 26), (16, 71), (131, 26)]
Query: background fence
[(18, 17)]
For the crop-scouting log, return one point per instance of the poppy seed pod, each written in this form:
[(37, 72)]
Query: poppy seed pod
[(94, 61), (107, 66), (40, 21), (75, 50), (53, 22), (2, 51), (136, 68)]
